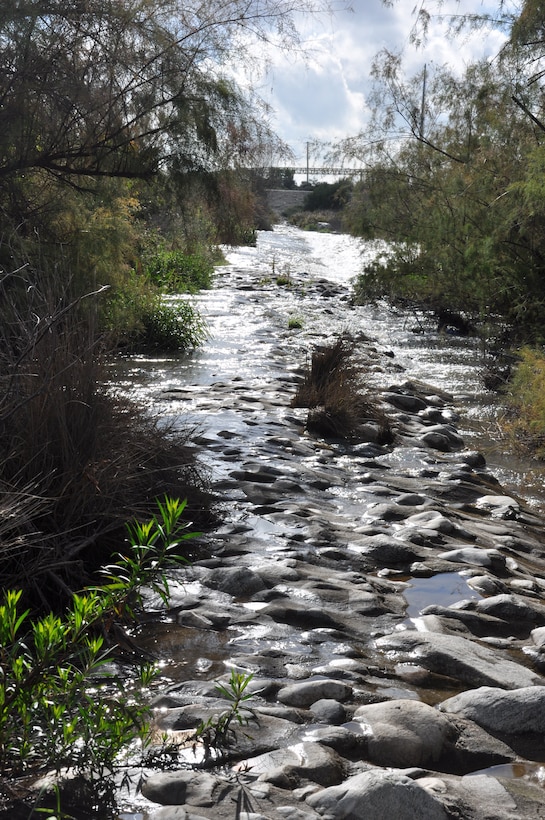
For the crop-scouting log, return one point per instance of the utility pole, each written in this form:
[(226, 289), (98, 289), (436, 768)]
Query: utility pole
[(423, 104)]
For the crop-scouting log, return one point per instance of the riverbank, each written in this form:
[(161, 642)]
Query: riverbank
[(388, 600)]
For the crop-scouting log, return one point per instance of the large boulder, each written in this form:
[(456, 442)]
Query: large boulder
[(302, 761), (304, 693), (459, 658), (513, 712), (377, 795), (403, 732)]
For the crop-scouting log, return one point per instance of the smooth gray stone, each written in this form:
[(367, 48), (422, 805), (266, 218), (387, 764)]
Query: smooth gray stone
[(405, 401), (459, 658), (176, 813), (473, 555), (512, 712), (185, 787), (237, 581), (309, 761), (442, 437), (513, 608), (377, 795), (403, 733), (305, 693), (327, 710)]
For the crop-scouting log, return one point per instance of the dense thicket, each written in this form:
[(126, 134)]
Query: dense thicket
[(123, 144), (455, 181)]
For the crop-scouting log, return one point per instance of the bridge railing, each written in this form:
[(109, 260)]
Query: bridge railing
[(325, 171)]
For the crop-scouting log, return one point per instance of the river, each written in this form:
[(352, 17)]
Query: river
[(235, 391), (241, 339)]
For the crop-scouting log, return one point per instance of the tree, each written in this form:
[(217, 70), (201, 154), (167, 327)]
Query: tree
[(118, 89), (455, 183), (96, 98)]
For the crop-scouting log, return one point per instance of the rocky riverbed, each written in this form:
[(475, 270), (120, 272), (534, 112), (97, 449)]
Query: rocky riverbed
[(387, 600)]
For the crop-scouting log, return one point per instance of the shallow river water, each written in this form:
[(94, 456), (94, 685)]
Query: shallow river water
[(225, 391), (242, 336)]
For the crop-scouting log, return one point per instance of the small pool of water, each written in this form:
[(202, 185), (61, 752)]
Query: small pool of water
[(443, 589)]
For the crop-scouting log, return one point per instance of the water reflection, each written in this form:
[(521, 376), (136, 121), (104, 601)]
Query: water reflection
[(239, 325), (443, 589)]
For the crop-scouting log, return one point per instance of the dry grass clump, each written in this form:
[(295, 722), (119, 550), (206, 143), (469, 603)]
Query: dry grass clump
[(338, 405), (76, 462)]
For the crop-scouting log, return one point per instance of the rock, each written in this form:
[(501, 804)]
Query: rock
[(384, 550), (339, 738), (538, 636), (299, 615), (185, 787), (386, 512), (303, 761), (412, 500), (459, 658), (485, 585), (403, 733), (305, 693), (193, 619), (176, 813), (483, 797), (405, 401), (473, 555), (473, 748), (431, 520), (508, 713), (513, 608), (327, 710), (442, 437), (377, 795), (236, 581), (457, 619), (474, 459), (499, 506)]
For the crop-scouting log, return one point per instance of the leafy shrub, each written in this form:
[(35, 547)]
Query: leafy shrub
[(525, 422), (295, 322), (175, 325), (59, 707), (320, 221), (329, 196), (217, 732), (76, 459), (177, 272)]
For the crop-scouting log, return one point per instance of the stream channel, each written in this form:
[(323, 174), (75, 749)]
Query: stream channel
[(330, 556)]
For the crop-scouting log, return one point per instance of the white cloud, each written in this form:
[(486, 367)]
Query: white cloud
[(323, 97)]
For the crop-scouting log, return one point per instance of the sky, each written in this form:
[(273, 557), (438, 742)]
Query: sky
[(324, 96)]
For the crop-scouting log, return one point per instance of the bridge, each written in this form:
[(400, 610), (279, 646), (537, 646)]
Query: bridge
[(324, 171), (321, 171)]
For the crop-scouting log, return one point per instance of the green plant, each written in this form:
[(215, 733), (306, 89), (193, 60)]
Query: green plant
[(177, 272), (217, 732), (175, 325), (295, 322), (525, 421), (284, 278), (60, 705), (152, 545)]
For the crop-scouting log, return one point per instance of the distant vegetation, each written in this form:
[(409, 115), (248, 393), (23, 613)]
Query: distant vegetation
[(455, 185)]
